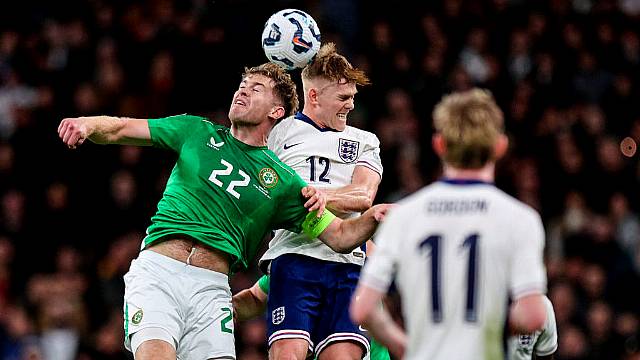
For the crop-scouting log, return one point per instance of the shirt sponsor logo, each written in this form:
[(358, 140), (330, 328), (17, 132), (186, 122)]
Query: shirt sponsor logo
[(213, 144), (277, 316), (348, 150), (268, 178), (287, 147)]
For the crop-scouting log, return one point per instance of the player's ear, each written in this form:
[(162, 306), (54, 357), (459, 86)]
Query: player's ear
[(313, 95), (438, 144), (501, 146), (277, 112)]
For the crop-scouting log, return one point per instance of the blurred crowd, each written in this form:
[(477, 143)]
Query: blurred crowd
[(566, 74)]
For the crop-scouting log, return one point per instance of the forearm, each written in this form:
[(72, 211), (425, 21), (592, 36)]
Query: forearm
[(103, 129), (247, 306), (351, 233), (357, 196), (348, 199), (382, 327), (116, 130)]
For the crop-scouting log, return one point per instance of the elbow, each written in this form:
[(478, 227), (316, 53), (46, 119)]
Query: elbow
[(340, 248), (367, 203)]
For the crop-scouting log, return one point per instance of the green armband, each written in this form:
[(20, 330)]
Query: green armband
[(314, 226), (263, 284)]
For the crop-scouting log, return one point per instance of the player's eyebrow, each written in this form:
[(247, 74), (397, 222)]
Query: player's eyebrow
[(252, 83)]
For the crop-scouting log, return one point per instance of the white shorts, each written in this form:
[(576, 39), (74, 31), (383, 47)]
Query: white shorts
[(190, 303)]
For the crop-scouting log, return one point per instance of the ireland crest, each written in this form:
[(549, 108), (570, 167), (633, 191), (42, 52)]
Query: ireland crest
[(348, 150), (268, 178)]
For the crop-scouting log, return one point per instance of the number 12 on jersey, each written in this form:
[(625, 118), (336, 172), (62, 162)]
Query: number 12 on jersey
[(433, 245)]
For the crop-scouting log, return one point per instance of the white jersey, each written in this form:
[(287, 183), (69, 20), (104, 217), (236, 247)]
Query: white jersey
[(326, 159), (456, 250), (542, 342)]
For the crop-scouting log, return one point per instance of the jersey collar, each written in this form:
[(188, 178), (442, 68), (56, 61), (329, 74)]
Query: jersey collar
[(305, 118), (242, 145), (464, 182)]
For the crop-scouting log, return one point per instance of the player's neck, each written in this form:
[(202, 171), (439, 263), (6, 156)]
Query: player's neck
[(251, 134), (486, 173), (308, 112)]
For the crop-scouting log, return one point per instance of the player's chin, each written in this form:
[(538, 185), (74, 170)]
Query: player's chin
[(236, 113), (340, 124)]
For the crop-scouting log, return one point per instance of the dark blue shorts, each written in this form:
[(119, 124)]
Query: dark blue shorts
[(309, 299)]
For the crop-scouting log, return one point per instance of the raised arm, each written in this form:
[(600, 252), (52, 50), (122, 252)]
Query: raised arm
[(357, 196), (345, 235), (104, 130)]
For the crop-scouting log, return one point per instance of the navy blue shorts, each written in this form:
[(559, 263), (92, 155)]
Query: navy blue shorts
[(309, 299)]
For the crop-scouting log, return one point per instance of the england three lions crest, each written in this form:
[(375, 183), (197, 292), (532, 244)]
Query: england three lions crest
[(348, 150)]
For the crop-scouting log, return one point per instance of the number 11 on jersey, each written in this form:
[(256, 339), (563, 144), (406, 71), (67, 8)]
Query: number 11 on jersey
[(432, 244)]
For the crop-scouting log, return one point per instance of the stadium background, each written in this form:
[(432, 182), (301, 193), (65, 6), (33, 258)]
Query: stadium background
[(565, 72)]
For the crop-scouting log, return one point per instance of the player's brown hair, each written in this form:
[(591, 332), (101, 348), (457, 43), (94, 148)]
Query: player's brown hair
[(470, 123), (330, 65), (284, 87)]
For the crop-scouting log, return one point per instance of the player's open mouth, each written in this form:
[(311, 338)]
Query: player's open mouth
[(240, 102), (342, 117)]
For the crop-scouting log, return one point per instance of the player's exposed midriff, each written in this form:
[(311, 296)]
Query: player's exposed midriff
[(194, 254)]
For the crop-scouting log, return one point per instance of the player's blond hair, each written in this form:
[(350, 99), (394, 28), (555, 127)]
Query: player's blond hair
[(283, 87), (470, 123), (330, 65)]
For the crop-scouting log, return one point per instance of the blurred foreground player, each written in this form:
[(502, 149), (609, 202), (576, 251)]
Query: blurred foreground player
[(456, 249)]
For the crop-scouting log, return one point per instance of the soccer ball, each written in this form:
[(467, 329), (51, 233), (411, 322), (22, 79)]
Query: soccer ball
[(290, 38)]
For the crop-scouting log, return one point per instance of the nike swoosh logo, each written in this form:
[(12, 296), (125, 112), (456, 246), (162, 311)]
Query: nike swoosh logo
[(298, 41), (286, 147)]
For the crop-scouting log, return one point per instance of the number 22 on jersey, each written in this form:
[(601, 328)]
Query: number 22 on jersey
[(233, 184), (433, 245)]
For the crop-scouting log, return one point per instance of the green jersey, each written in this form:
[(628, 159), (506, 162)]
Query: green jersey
[(222, 192), (378, 352)]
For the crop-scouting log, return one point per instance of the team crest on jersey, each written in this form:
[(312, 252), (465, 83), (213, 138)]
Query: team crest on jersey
[(525, 340), (268, 178), (137, 317), (348, 150), (277, 316)]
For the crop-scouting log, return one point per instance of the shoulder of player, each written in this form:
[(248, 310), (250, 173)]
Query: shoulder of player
[(284, 124), (278, 166), (362, 135)]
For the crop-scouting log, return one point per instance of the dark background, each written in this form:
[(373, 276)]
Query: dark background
[(564, 72)]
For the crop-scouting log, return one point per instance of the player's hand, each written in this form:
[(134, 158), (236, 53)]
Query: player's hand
[(317, 199), (73, 132), (380, 211)]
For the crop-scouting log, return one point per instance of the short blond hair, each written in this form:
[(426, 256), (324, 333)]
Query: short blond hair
[(470, 123), (330, 65)]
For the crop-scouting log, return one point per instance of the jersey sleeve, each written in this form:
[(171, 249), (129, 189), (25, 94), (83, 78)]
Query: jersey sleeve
[(263, 283), (527, 273), (171, 132), (547, 343), (370, 157), (379, 269)]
